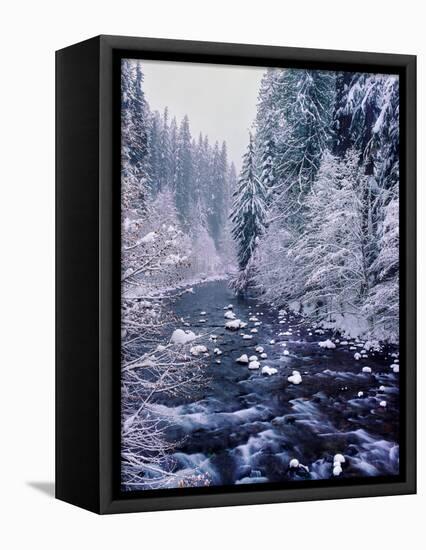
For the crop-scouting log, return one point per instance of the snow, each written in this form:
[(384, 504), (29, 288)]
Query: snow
[(357, 356), (217, 351), (149, 238), (181, 337), (360, 393), (395, 368), (254, 330), (383, 403), (247, 337), (254, 365), (229, 314), (203, 312), (253, 358), (233, 325), (367, 370), (382, 388), (337, 470), (269, 370), (339, 458), (294, 463), (295, 378), (263, 355), (196, 350), (272, 341), (242, 359), (328, 344), (259, 349), (286, 352), (160, 347)]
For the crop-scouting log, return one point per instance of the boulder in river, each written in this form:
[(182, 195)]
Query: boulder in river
[(229, 314), (295, 378), (233, 325), (269, 371), (196, 350), (242, 359)]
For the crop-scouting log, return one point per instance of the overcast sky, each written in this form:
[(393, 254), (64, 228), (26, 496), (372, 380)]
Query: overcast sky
[(220, 100)]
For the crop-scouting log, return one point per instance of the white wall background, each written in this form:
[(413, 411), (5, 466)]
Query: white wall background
[(30, 32)]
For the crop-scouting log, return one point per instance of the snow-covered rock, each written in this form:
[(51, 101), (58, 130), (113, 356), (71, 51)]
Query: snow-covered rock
[(367, 370), (272, 341), (218, 361), (229, 314), (395, 368), (247, 337), (286, 352), (242, 324), (263, 355), (259, 349), (253, 358), (233, 325), (357, 356), (230, 306), (254, 365), (181, 337), (382, 388), (242, 359), (203, 312), (337, 470), (327, 344), (294, 463), (295, 378), (196, 350), (253, 318), (360, 393), (269, 371), (217, 351), (339, 458), (253, 330), (383, 403)]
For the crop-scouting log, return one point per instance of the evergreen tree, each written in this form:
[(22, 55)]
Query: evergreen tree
[(305, 99), (249, 209), (134, 133), (155, 152), (165, 152), (267, 132), (172, 156), (184, 173)]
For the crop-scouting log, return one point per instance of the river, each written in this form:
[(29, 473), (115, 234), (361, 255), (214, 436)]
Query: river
[(246, 427)]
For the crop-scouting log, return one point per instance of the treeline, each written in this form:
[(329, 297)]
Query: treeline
[(163, 157), (316, 211)]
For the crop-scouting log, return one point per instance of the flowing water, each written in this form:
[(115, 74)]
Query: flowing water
[(246, 426)]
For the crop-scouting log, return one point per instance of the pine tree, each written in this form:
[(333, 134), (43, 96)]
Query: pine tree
[(134, 133), (184, 173), (165, 152), (266, 132), (249, 209), (306, 99), (154, 147)]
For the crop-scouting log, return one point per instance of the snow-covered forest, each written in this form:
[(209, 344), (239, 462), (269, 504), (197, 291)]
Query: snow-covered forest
[(316, 212), (291, 260)]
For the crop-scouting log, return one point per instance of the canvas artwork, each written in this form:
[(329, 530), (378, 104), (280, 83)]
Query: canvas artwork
[(259, 276)]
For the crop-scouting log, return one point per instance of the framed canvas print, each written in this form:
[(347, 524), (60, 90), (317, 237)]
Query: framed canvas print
[(235, 274)]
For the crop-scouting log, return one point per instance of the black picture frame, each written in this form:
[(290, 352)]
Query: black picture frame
[(88, 278)]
